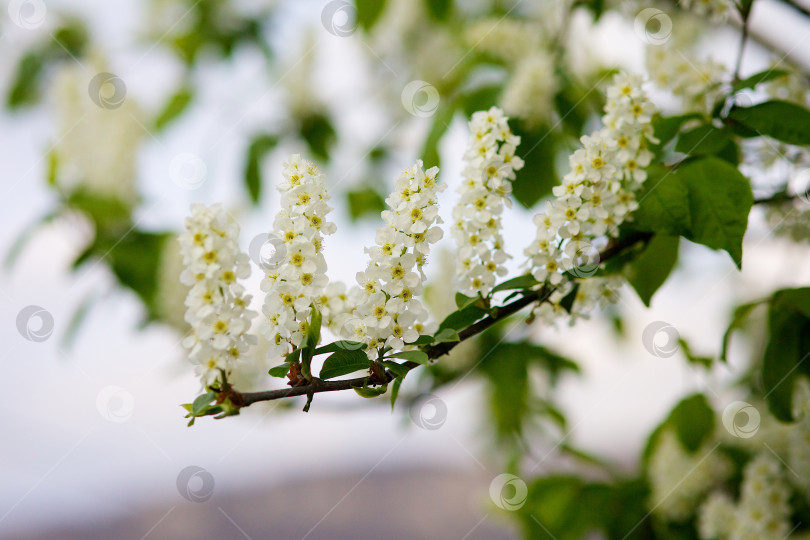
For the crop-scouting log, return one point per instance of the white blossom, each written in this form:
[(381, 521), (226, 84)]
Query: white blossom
[(594, 198), (217, 304), (97, 147), (530, 90), (697, 82), (490, 165), (299, 280), (679, 479), (387, 312)]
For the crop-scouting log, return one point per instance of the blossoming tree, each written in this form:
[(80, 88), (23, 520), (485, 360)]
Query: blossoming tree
[(616, 166)]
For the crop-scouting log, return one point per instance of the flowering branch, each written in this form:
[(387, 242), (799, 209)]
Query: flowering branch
[(434, 351)]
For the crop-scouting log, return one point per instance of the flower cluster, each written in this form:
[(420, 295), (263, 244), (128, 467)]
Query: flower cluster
[(598, 194), (490, 165), (97, 147), (697, 82), (298, 279), (763, 509), (679, 479), (530, 90), (217, 304), (716, 10), (387, 312)]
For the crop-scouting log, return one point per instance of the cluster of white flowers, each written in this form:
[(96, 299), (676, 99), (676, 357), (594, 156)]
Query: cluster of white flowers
[(762, 512), (679, 480), (490, 165), (506, 39), (716, 10), (298, 280), (97, 146), (217, 305), (531, 88), (519, 44), (699, 83), (387, 312), (597, 195)]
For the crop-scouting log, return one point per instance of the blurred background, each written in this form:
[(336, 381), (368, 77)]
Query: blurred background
[(119, 115)]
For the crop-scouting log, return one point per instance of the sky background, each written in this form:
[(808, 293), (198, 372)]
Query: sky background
[(62, 458)]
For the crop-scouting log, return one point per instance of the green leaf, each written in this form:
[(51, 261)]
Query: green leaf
[(538, 149), (439, 9), (758, 78), (397, 369), (480, 98), (339, 345), (441, 121), (720, 200), (462, 318), (506, 369), (520, 282), (317, 131), (446, 335), (686, 349), (395, 391), (343, 362), (663, 204), (280, 370), (463, 300), (24, 89), (201, 401), (787, 354), (649, 270), (368, 11), (259, 147), (667, 127), (174, 107), (422, 340), (371, 392), (132, 259), (314, 330), (782, 120), (567, 508), (703, 140), (412, 356), (365, 202), (110, 215), (693, 421), (706, 200), (737, 319)]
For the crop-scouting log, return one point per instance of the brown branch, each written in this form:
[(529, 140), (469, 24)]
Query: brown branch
[(436, 350)]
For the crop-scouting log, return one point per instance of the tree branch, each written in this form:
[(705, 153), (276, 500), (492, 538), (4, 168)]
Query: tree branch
[(434, 351)]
